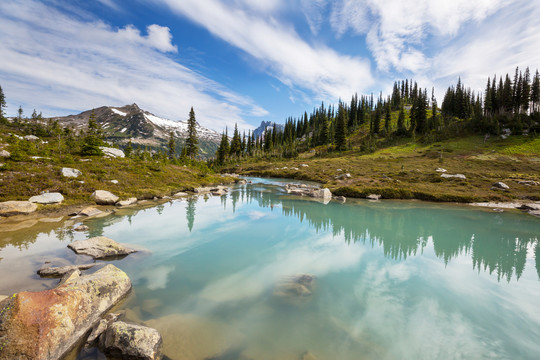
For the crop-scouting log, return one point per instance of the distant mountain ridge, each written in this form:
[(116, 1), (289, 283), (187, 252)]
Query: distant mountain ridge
[(266, 125), (144, 129)]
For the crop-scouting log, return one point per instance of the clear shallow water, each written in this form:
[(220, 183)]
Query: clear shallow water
[(393, 280)]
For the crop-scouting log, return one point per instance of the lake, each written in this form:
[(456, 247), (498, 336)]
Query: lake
[(224, 277)]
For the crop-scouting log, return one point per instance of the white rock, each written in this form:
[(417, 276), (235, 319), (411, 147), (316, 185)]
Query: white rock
[(112, 152), (4, 153), (71, 173), (304, 165), (457, 176), (31, 138), (47, 198), (501, 186), (102, 197), (180, 194), (373, 197), (127, 202), (114, 181), (440, 170)]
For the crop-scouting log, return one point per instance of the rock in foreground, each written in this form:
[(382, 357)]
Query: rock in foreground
[(112, 152), (102, 197), (69, 172), (45, 325), (129, 341), (11, 208), (100, 247)]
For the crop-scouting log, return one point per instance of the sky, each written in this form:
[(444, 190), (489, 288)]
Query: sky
[(246, 61)]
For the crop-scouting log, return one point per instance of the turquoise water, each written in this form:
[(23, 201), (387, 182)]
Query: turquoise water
[(392, 280)]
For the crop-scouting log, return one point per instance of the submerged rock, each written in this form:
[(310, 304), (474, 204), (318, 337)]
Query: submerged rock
[(295, 288), (52, 271), (190, 337), (45, 325), (128, 202), (129, 341), (81, 228), (47, 198), (102, 197), (100, 247), (89, 211), (11, 208)]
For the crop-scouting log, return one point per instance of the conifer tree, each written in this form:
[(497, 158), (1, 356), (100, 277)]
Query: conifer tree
[(128, 149), (535, 92), (223, 149), (387, 118), (236, 143), (92, 141), (2, 103), (401, 130), (341, 128), (172, 146), (192, 142)]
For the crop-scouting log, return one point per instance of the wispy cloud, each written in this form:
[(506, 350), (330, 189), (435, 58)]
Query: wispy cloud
[(61, 64), (286, 56)]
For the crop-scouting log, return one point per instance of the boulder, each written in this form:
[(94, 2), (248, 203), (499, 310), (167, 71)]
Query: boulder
[(304, 165), (241, 181), (100, 247), (31, 138), (100, 328), (441, 170), (325, 194), (528, 182), (81, 228), (47, 198), (71, 173), (4, 153), (47, 324), (112, 152), (90, 211), (10, 208), (127, 202), (457, 176), (52, 271), (343, 176), (373, 197), (128, 341), (500, 186), (102, 197), (180, 194), (114, 182), (219, 192)]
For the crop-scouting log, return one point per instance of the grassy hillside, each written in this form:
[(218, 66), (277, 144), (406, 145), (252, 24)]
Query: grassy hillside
[(35, 166), (407, 170)]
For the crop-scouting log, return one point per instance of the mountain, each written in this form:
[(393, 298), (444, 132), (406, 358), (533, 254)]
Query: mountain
[(144, 129), (264, 126)]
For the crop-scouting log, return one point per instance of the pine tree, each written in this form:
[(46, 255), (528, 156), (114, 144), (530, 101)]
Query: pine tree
[(172, 146), (2, 103), (387, 118), (341, 129), (128, 149), (223, 149), (535, 92), (236, 143), (20, 113), (192, 142), (92, 141), (401, 130)]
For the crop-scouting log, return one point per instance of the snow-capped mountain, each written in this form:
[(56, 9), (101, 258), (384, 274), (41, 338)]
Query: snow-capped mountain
[(129, 122)]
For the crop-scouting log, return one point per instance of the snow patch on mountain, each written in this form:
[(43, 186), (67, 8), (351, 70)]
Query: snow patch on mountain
[(116, 111)]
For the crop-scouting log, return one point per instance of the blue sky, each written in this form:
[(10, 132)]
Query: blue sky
[(244, 61)]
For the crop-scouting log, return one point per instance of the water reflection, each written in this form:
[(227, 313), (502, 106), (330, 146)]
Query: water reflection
[(498, 244)]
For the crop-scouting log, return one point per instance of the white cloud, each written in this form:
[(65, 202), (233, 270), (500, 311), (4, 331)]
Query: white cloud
[(285, 54), (60, 64), (396, 29)]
